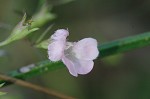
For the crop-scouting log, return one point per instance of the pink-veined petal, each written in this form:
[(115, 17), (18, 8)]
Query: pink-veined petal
[(56, 50), (86, 49), (70, 65)]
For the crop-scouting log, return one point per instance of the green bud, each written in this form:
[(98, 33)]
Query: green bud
[(20, 31)]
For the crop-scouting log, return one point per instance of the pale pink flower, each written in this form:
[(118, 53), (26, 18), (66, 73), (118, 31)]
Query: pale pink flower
[(77, 56)]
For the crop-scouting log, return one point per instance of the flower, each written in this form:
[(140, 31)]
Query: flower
[(77, 56)]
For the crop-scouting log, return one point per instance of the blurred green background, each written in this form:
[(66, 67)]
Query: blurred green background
[(122, 76)]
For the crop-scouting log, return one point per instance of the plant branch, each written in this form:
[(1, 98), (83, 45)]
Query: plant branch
[(34, 87), (106, 49)]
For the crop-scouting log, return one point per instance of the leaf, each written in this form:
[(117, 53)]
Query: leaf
[(19, 32)]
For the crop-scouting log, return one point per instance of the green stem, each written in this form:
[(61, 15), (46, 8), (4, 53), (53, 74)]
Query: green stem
[(125, 44), (106, 49)]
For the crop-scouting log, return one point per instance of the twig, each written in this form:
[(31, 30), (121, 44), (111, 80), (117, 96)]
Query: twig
[(34, 87)]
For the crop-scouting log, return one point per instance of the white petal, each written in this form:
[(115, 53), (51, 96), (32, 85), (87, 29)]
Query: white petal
[(56, 50), (76, 66), (86, 49), (60, 34), (84, 66), (70, 65)]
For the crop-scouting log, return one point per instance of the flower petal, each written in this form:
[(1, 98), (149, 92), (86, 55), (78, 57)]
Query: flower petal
[(84, 66), (76, 66), (60, 34), (70, 65), (86, 49), (56, 50)]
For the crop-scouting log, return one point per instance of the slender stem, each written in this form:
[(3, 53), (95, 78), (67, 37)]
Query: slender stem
[(44, 33), (106, 49), (34, 87)]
